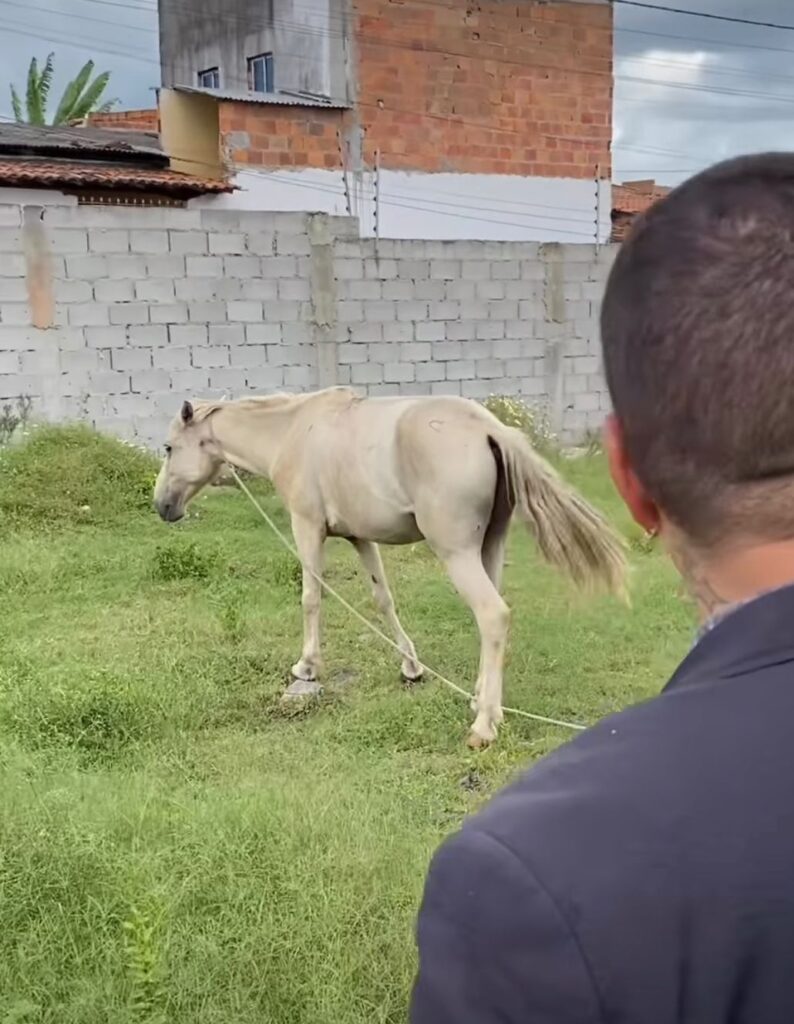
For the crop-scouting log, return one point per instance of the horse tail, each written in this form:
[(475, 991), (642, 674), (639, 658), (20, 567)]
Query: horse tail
[(571, 534)]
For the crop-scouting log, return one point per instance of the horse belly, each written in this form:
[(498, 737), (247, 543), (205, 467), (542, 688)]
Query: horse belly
[(381, 529)]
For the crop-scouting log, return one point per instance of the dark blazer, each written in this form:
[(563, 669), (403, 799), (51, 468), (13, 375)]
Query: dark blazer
[(643, 873)]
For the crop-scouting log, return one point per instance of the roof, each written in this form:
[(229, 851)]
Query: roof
[(72, 174), (34, 139), (279, 99)]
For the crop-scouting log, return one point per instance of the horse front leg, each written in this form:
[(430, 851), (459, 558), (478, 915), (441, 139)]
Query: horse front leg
[(309, 540)]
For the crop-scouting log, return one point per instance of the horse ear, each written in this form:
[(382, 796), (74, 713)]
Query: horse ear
[(187, 412)]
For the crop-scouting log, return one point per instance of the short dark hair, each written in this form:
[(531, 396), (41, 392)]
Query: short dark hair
[(697, 328)]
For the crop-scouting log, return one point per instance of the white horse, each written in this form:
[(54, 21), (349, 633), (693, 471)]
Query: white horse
[(397, 471)]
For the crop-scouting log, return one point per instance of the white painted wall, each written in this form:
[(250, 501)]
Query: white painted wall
[(488, 207)]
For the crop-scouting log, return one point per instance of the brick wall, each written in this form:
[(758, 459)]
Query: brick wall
[(492, 88), (127, 120), (266, 135), (155, 305)]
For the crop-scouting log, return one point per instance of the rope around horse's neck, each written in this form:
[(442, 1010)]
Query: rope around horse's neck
[(371, 625)]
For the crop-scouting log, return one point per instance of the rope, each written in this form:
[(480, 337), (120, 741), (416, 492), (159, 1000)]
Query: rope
[(371, 625)]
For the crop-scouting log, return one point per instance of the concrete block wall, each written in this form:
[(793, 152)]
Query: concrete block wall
[(136, 310)]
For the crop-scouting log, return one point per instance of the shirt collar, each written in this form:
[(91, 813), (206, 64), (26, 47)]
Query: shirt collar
[(748, 635)]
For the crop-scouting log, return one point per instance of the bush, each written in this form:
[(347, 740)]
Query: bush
[(182, 560), (72, 476), (514, 412)]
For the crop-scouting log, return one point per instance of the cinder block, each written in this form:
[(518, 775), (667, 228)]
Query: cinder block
[(479, 389), (262, 334), (509, 270), (367, 373), (460, 330), (520, 367), (44, 362), (478, 349), (188, 243), (89, 268), (412, 311), (350, 312), (227, 334), (446, 387), (66, 242), (10, 216), (489, 290), (117, 268), (398, 373), (429, 331), (232, 379), (262, 243), (574, 384), (148, 335), (89, 314), (261, 289), (531, 309), (490, 329), (296, 334), (168, 313), (380, 270), (461, 369), (265, 378), (248, 356), (503, 310), (131, 358), (292, 244), (155, 290), (227, 243), (128, 313), (279, 266), (474, 270), (14, 289), (459, 291), (445, 270), (106, 240), (104, 337), (187, 335), (362, 290), (207, 312), (415, 352), (147, 242), (348, 353), (283, 312), (210, 358), (244, 311), (189, 382), (586, 364), (402, 331), (109, 382), (384, 390), (241, 266), (203, 266), (401, 290), (9, 361), (299, 377), (112, 291), (413, 270), (487, 369), (443, 350), (170, 358), (432, 371)]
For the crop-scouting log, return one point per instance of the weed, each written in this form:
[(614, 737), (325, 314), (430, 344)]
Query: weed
[(182, 560), (514, 412)]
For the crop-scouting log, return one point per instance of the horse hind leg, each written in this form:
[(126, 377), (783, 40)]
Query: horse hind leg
[(373, 565)]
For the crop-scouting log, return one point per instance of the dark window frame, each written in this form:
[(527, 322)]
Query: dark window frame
[(268, 72)]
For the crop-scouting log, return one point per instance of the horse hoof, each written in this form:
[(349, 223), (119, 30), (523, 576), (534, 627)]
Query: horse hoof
[(410, 681), (301, 688), (476, 742)]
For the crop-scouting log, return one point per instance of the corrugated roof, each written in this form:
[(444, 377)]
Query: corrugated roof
[(279, 99), (27, 138), (64, 173)]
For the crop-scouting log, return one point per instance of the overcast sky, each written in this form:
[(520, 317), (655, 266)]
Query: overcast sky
[(688, 90)]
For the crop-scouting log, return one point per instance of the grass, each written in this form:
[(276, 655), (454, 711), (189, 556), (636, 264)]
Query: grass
[(175, 848)]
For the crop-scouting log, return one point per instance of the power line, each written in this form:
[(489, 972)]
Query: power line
[(706, 42), (703, 14)]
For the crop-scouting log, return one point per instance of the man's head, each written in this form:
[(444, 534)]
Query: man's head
[(698, 336)]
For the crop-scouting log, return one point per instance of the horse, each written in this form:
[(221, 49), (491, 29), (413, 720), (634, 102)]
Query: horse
[(396, 471)]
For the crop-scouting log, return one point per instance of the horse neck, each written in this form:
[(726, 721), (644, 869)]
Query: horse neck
[(252, 434)]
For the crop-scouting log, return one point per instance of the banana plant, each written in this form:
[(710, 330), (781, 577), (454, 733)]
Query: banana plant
[(81, 97)]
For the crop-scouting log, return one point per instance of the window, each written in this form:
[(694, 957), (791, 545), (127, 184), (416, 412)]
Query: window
[(210, 79), (260, 73)]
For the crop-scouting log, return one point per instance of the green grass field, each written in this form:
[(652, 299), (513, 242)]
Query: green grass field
[(173, 846)]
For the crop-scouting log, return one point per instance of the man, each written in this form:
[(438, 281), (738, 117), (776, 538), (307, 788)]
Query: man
[(644, 873)]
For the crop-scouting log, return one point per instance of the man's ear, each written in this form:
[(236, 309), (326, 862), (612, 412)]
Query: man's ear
[(643, 508), (187, 412)]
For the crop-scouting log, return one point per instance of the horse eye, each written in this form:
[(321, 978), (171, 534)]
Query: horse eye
[(168, 449)]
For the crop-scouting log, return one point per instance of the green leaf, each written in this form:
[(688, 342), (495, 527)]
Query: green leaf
[(91, 97), (71, 95), (33, 98), (16, 105)]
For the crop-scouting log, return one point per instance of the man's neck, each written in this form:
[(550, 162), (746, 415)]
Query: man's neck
[(720, 582)]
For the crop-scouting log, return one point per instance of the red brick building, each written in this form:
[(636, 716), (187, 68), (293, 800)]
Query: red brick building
[(505, 106)]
